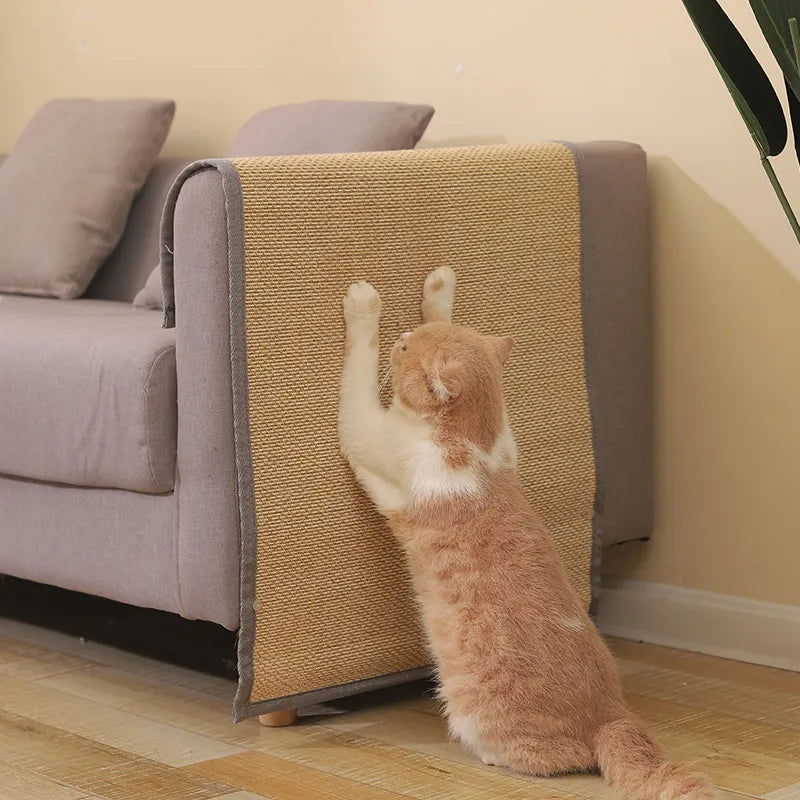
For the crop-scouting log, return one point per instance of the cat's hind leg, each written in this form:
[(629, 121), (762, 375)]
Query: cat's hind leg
[(438, 293), (543, 757), (463, 728), (491, 759)]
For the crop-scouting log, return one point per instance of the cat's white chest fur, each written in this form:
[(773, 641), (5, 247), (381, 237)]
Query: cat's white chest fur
[(431, 478), (406, 466)]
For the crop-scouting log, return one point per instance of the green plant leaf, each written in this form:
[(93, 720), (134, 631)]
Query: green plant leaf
[(773, 16), (747, 82), (794, 115)]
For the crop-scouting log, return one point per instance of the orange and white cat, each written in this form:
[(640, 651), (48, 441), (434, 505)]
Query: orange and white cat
[(525, 678)]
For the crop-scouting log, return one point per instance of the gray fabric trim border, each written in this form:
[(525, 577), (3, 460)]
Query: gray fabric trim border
[(248, 531), (590, 356), (333, 692)]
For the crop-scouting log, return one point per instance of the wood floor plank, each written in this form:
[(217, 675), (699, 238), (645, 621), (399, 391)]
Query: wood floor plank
[(277, 779), (627, 666), (745, 736), (714, 731), (23, 784), (92, 652), (748, 772), (154, 740), (753, 703), (787, 793), (241, 796), (94, 768), (209, 718), (176, 706), (110, 686), (420, 729), (694, 733), (410, 772), (738, 672), (24, 660)]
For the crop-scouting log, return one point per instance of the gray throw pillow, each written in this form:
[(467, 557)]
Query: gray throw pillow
[(150, 296), (321, 126), (331, 126), (67, 187)]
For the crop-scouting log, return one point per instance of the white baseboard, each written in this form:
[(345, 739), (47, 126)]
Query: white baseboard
[(704, 622)]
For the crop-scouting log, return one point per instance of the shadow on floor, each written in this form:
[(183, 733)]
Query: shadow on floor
[(195, 644)]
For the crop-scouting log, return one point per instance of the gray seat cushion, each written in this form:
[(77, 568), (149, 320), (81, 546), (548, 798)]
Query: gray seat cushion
[(87, 394)]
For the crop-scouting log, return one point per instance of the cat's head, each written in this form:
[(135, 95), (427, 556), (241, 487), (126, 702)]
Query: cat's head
[(440, 366)]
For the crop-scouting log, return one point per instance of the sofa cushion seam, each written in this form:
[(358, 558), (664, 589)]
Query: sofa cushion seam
[(147, 423)]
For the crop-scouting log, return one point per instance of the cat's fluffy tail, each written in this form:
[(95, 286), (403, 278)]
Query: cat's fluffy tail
[(631, 762)]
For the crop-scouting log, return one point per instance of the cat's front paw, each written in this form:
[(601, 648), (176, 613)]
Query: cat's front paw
[(362, 304), (438, 293), (440, 283)]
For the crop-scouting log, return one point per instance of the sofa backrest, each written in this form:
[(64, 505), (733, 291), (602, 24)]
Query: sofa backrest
[(126, 269)]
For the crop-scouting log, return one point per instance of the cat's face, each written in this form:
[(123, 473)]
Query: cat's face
[(439, 364)]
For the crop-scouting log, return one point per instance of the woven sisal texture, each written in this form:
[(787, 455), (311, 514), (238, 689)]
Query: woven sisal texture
[(332, 598)]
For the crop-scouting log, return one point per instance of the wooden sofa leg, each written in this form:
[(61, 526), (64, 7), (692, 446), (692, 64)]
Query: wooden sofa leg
[(279, 719)]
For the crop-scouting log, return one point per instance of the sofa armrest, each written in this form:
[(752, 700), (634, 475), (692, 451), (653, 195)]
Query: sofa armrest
[(207, 526), (617, 327)]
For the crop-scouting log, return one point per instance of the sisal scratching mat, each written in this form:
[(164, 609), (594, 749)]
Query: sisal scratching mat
[(326, 604)]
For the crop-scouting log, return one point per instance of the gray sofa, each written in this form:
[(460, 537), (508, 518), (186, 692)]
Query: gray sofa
[(105, 487), (117, 473)]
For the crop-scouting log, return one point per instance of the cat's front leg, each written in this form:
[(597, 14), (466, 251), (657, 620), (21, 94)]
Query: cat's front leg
[(438, 293), (360, 410), (364, 428)]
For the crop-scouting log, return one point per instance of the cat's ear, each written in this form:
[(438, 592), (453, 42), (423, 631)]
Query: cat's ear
[(501, 345), (445, 379)]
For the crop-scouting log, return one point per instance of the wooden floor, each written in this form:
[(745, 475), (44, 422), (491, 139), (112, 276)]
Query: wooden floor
[(79, 721)]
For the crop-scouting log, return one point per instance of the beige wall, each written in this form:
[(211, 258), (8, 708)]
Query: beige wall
[(728, 404), (728, 315)]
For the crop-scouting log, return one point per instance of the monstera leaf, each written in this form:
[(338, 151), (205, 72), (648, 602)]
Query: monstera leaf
[(794, 115), (773, 16), (747, 82)]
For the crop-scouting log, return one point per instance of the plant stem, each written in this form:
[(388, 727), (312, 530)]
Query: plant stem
[(787, 209), (795, 32)]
